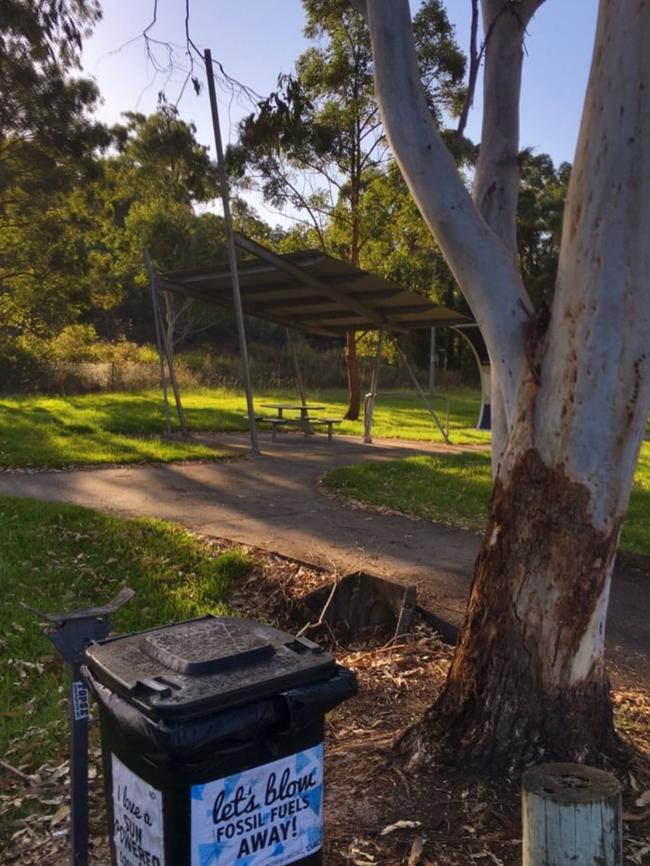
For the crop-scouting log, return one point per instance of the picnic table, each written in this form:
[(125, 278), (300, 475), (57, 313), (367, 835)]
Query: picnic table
[(304, 421)]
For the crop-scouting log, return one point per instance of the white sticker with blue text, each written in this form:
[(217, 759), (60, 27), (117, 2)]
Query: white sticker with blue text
[(270, 815), (137, 819)]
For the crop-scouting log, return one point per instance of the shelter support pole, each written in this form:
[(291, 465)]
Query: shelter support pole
[(167, 349), (369, 406), (423, 396), (232, 256), (474, 340), (172, 374), (296, 367), (156, 321), (432, 361)]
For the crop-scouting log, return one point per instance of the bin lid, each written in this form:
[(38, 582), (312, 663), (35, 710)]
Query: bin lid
[(191, 668)]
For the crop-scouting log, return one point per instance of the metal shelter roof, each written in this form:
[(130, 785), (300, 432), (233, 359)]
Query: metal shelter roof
[(312, 292)]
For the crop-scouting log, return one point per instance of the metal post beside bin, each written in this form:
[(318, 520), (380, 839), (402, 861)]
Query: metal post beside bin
[(212, 743), (71, 632)]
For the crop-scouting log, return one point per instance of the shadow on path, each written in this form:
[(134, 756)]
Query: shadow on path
[(273, 502)]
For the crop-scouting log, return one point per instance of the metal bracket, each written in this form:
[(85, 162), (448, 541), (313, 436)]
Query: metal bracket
[(73, 631)]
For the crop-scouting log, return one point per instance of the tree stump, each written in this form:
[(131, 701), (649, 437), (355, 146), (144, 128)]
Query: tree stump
[(571, 814)]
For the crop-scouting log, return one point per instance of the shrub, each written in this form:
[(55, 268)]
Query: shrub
[(75, 343), (23, 365)]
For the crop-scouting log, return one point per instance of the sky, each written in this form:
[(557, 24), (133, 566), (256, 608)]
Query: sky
[(256, 40)]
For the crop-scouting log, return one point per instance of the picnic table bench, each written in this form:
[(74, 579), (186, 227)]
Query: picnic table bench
[(304, 421)]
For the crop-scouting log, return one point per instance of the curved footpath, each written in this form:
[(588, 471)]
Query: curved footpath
[(273, 502)]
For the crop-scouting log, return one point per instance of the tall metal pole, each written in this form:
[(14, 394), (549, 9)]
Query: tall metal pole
[(296, 367), (156, 321), (169, 355), (232, 257), (374, 382), (432, 361)]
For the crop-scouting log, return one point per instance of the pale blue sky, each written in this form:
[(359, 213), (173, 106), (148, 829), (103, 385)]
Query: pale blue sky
[(257, 39)]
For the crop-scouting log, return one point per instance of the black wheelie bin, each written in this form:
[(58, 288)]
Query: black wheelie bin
[(212, 743)]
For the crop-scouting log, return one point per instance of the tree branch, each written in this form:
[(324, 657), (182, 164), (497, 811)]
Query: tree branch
[(474, 64), (496, 182), (483, 266)]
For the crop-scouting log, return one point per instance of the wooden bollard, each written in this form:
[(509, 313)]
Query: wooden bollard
[(572, 816)]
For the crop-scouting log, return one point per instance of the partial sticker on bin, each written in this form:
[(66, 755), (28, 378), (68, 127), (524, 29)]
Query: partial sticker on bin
[(270, 815), (137, 819)]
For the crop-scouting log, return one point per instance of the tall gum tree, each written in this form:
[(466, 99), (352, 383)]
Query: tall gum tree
[(571, 384), (319, 146)]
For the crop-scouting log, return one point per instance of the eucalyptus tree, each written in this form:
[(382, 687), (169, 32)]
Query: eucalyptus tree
[(317, 144), (571, 383)]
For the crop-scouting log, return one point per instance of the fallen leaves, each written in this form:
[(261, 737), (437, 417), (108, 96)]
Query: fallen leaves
[(416, 852), (38, 810), (643, 800), (400, 825)]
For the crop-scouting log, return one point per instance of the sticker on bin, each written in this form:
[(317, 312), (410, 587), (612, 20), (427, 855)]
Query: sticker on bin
[(137, 819), (270, 815)]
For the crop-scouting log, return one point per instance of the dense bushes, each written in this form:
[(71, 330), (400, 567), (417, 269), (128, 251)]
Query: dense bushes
[(74, 361), (77, 362), (21, 367)]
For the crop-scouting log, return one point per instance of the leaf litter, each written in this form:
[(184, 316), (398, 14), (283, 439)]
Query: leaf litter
[(376, 813)]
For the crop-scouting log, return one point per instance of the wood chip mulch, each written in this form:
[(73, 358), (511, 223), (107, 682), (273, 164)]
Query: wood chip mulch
[(377, 813)]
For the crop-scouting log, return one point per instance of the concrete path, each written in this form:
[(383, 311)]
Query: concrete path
[(273, 502)]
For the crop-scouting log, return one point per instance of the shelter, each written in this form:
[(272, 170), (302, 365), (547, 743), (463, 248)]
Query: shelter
[(315, 293)]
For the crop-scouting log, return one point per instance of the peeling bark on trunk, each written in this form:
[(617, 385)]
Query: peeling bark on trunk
[(354, 379), (526, 684)]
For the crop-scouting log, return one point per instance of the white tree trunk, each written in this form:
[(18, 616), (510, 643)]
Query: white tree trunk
[(496, 184), (593, 405), (587, 415), (528, 677)]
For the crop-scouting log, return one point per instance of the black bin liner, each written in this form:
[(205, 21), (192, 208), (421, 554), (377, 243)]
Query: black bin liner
[(162, 741)]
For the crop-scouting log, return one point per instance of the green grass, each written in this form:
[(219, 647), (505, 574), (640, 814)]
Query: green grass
[(62, 556), (454, 489), (449, 489), (126, 427), (90, 429)]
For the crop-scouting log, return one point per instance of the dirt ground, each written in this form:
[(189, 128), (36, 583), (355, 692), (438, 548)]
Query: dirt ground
[(376, 813)]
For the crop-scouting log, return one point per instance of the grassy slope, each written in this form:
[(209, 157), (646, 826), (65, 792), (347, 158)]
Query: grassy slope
[(125, 428), (454, 489), (56, 557)]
